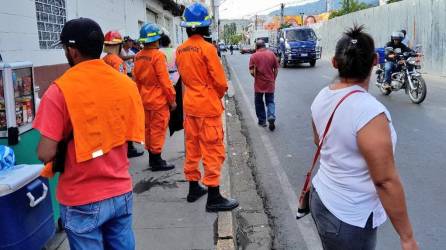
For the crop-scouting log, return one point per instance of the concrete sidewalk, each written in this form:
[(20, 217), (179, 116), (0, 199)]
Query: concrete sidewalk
[(163, 219)]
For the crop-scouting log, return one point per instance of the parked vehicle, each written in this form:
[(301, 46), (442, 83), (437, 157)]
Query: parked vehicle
[(223, 47), (246, 49), (405, 77), (260, 34), (297, 45)]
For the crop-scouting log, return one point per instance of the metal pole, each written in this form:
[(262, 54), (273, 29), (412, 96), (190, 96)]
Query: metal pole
[(282, 10), (255, 26)]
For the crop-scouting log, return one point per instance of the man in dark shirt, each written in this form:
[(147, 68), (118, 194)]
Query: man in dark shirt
[(391, 59), (263, 66)]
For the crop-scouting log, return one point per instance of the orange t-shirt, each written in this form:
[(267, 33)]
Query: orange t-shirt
[(152, 78), (116, 62), (86, 182), (203, 75)]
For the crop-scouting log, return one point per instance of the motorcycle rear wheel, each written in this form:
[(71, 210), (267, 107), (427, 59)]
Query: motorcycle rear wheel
[(418, 95)]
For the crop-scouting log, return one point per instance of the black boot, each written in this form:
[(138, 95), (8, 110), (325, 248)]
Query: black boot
[(272, 125), (132, 151), (158, 164), (216, 202), (195, 191)]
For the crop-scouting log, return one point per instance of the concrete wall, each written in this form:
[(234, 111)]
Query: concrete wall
[(19, 40), (424, 20)]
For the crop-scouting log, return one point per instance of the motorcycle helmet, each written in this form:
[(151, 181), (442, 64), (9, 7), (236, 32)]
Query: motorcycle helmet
[(397, 35)]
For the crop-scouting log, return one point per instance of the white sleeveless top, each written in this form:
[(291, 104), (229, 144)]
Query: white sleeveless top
[(343, 181)]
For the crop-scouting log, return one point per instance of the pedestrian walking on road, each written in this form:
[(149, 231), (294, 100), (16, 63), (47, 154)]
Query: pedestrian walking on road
[(357, 183), (205, 85), (157, 93), (231, 49), (94, 110), (264, 67), (112, 46)]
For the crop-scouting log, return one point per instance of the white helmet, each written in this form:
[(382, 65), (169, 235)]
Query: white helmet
[(397, 35)]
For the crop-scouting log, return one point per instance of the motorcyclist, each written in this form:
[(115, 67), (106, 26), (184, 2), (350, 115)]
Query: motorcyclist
[(391, 55)]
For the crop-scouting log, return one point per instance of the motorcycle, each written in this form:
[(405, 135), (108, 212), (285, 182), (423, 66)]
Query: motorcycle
[(406, 76)]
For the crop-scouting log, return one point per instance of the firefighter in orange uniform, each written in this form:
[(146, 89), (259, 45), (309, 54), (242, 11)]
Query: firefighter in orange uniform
[(158, 95), (112, 46), (205, 85)]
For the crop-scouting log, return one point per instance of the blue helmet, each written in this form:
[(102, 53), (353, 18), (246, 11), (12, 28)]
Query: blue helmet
[(149, 33), (196, 15)]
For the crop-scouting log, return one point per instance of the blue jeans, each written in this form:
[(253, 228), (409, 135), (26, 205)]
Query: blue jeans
[(104, 224), (260, 107), (338, 235), (389, 68)]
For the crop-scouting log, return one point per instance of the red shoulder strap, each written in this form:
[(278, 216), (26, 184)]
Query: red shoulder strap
[(321, 141)]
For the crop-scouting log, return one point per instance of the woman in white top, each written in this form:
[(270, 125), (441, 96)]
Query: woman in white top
[(357, 183)]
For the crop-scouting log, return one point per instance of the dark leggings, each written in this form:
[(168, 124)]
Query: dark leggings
[(338, 235)]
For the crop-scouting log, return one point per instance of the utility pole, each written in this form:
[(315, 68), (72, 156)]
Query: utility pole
[(215, 20), (282, 10), (255, 25)]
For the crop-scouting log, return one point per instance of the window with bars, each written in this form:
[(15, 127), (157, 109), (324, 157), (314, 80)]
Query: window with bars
[(51, 17)]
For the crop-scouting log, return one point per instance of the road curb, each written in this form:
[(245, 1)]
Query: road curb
[(225, 228)]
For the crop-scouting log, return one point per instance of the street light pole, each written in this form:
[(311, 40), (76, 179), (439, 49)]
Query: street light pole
[(282, 10)]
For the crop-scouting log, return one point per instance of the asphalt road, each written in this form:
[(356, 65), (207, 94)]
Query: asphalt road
[(283, 156)]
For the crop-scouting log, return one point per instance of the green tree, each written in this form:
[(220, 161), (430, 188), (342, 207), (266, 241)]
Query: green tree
[(348, 6), (285, 25), (229, 30), (235, 39)]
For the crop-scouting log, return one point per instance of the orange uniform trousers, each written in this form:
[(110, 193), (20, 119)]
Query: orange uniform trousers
[(204, 140), (156, 125)]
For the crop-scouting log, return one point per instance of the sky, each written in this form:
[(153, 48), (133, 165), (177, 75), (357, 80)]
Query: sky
[(233, 9)]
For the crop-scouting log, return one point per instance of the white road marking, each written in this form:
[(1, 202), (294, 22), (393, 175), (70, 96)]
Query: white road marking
[(305, 225), (327, 77)]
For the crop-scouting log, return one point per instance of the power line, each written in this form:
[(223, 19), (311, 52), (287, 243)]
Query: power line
[(290, 2)]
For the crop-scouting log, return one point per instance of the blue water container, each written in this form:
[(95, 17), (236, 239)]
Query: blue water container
[(26, 215), (381, 55)]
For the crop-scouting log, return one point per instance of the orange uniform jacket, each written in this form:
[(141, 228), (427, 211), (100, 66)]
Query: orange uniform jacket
[(204, 77), (116, 62), (105, 108), (152, 78)]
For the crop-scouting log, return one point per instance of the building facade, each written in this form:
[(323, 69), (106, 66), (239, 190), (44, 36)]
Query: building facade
[(29, 28)]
